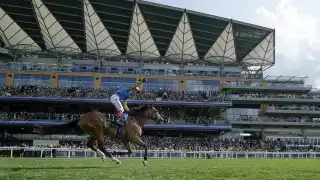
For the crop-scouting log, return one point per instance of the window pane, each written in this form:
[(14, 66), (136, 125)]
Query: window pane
[(202, 85), (3, 79), (31, 79), (115, 82), (161, 84), (75, 81)]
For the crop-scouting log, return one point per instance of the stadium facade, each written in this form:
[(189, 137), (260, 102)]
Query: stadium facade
[(106, 44)]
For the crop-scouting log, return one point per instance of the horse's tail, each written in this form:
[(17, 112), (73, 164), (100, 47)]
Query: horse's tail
[(57, 129)]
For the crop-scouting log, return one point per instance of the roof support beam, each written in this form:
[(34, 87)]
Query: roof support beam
[(278, 78), (291, 78)]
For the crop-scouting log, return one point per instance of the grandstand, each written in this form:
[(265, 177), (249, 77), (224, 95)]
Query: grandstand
[(60, 59)]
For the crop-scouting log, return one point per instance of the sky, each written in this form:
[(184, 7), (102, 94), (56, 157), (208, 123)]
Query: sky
[(296, 23)]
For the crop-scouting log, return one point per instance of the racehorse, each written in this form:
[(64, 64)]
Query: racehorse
[(97, 125)]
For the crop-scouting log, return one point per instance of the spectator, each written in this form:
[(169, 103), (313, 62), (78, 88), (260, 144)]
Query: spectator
[(90, 93), (34, 116), (205, 144)]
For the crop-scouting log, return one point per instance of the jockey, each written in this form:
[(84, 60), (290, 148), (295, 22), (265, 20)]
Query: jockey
[(122, 95)]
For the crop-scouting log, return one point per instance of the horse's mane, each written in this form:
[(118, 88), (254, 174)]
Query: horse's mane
[(139, 109)]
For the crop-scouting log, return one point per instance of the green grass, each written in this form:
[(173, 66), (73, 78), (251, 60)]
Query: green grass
[(166, 169)]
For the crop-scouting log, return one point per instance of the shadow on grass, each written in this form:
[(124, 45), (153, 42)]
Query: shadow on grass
[(55, 167)]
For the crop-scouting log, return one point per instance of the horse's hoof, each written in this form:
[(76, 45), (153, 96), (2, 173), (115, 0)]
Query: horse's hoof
[(116, 160), (145, 163)]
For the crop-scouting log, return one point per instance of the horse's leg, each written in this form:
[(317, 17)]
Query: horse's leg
[(137, 140), (100, 141), (90, 144), (127, 145)]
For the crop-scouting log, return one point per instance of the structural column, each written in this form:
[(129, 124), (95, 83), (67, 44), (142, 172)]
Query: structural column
[(9, 79), (97, 82), (181, 85), (223, 113), (263, 108), (54, 80)]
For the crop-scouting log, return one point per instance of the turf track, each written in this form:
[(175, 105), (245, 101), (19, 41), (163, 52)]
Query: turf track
[(179, 169)]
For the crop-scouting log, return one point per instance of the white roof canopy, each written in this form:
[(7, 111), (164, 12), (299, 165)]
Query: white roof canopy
[(13, 35), (140, 41), (55, 37), (182, 45)]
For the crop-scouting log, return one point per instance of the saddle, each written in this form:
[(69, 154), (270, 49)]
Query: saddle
[(113, 117), (113, 123)]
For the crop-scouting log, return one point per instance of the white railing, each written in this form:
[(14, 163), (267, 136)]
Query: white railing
[(160, 154)]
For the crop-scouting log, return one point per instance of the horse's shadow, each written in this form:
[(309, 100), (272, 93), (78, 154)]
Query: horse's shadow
[(16, 169)]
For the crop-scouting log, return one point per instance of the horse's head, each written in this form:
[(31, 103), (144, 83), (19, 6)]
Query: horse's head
[(151, 112)]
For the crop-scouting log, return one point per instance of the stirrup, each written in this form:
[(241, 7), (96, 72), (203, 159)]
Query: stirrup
[(119, 121), (114, 122)]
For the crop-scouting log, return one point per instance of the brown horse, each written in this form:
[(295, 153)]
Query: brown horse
[(97, 125)]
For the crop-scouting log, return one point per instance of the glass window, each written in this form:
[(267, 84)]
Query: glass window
[(202, 85), (31, 79), (3, 79), (285, 84), (115, 82), (75, 81), (242, 114), (161, 84)]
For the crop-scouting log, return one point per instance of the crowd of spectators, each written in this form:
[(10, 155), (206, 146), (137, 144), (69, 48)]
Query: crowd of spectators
[(294, 107), (171, 116), (170, 119), (29, 116), (268, 84), (171, 143), (125, 70), (307, 119), (193, 144), (202, 144), (292, 119), (246, 118), (90, 93), (63, 117), (310, 95)]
